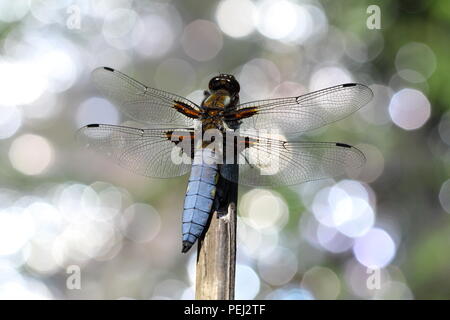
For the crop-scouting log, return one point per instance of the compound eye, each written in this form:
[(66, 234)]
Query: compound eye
[(214, 84), (235, 85)]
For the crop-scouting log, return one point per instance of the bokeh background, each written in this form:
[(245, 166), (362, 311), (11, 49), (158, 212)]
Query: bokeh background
[(63, 206)]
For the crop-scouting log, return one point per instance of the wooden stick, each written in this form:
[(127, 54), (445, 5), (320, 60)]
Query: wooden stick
[(216, 257)]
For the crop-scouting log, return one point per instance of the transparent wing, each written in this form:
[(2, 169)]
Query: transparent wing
[(142, 103), (303, 113), (148, 152), (270, 162)]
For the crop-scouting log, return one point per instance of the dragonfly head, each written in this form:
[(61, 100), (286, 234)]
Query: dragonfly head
[(225, 82)]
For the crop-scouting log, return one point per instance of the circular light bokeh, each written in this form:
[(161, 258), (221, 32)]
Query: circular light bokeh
[(264, 209), (394, 290), (344, 207), (258, 77), (328, 77), (119, 28), (21, 83), (243, 14), (160, 32), (374, 166), (290, 293), (409, 109), (332, 240), (96, 110), (415, 62), (11, 11), (247, 283), (10, 121), (16, 229), (59, 68), (276, 19), (444, 128), (31, 154), (140, 222), (444, 196), (278, 267), (256, 242), (353, 217), (375, 249), (202, 40), (376, 111), (322, 282)]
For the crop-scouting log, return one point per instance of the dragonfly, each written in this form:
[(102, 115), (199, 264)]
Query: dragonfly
[(167, 121)]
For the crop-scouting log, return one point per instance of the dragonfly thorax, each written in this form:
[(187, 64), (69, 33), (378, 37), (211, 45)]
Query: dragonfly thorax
[(214, 106)]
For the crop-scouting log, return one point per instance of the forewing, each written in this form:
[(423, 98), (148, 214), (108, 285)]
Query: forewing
[(303, 113), (142, 103), (271, 162), (147, 152)]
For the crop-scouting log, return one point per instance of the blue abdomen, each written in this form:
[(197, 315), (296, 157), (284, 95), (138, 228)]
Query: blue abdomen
[(200, 195)]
